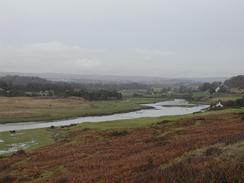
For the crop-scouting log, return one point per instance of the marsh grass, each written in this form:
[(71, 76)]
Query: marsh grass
[(27, 109), (21, 140)]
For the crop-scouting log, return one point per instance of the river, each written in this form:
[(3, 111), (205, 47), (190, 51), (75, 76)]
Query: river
[(166, 108)]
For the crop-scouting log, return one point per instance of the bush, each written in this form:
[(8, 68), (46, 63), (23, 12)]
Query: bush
[(117, 133), (213, 151), (235, 103), (19, 153), (163, 122), (7, 179), (242, 117), (62, 180)]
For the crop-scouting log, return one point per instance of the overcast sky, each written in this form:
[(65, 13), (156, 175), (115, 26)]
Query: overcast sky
[(168, 38)]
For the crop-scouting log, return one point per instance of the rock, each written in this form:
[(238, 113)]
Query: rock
[(19, 153), (213, 151)]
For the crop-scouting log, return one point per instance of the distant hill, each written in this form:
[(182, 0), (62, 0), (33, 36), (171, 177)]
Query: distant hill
[(13, 86), (21, 84), (23, 80), (111, 79), (235, 82)]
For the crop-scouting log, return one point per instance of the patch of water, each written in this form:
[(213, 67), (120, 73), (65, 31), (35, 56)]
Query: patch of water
[(16, 147), (16, 134)]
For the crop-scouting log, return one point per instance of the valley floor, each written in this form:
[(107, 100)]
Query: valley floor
[(197, 148), (31, 109)]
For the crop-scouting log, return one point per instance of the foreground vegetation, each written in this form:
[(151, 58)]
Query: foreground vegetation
[(205, 147), (46, 136)]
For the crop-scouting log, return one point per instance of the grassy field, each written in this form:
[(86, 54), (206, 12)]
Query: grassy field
[(29, 109), (32, 139), (161, 149), (25, 109), (224, 97), (35, 138), (145, 122), (34, 109), (204, 97), (203, 147), (25, 139)]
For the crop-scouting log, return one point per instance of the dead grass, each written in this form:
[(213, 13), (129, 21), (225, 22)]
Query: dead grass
[(26, 109), (39, 102), (15, 109), (206, 152)]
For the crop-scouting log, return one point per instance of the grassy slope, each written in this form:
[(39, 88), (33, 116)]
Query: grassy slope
[(205, 147), (48, 136), (28, 109), (204, 97), (43, 137), (144, 122), (25, 109)]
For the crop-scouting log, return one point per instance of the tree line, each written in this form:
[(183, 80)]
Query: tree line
[(234, 82), (35, 86)]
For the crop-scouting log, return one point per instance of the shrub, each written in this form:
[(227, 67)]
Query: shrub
[(242, 117), (19, 153), (62, 180), (163, 122), (117, 133), (7, 179), (150, 164), (213, 151)]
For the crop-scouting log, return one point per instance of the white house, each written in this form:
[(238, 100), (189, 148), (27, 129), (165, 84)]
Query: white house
[(44, 93), (217, 89), (219, 105)]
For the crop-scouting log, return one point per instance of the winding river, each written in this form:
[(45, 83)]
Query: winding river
[(166, 108)]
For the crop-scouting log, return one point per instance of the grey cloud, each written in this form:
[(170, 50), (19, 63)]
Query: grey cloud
[(130, 37)]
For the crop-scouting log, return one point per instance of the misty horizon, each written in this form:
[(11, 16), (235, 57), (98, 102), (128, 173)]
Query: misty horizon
[(169, 39), (107, 75)]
